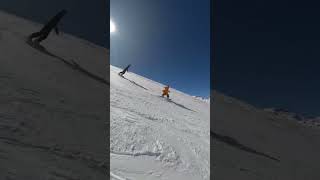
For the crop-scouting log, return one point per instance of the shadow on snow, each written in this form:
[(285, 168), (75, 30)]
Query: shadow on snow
[(234, 143), (71, 64), (180, 105), (134, 83)]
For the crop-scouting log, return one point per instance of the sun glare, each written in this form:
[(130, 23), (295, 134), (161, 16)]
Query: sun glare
[(112, 27)]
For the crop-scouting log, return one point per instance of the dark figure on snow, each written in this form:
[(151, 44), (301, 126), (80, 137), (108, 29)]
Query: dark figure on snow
[(125, 70), (45, 31)]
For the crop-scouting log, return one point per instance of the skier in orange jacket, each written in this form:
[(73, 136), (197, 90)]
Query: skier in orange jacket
[(165, 91)]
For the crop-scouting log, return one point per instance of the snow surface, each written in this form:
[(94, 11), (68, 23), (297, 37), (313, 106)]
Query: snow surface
[(155, 139), (256, 144), (52, 116)]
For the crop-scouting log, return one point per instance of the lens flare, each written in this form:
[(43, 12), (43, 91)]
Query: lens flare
[(112, 27)]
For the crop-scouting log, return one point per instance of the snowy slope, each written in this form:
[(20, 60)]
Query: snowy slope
[(152, 138), (50, 113), (255, 144)]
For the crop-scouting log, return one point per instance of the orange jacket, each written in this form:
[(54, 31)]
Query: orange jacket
[(165, 91)]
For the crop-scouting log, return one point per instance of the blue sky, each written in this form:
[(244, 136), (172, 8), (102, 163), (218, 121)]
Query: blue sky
[(166, 41), (267, 53)]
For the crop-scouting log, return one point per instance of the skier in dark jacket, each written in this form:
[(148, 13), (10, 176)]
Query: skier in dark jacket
[(125, 70), (45, 31)]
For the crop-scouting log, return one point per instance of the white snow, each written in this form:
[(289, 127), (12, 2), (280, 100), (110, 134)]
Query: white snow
[(52, 117), (152, 138), (256, 144)]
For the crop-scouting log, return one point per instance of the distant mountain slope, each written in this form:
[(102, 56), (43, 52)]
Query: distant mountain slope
[(305, 120)]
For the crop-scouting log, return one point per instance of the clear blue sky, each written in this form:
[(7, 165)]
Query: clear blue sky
[(167, 41), (267, 53)]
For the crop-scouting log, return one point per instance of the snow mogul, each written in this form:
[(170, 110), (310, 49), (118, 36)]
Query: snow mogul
[(45, 31), (125, 70), (165, 92)]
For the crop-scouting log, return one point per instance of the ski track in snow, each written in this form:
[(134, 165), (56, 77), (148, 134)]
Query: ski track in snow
[(117, 177), (167, 140)]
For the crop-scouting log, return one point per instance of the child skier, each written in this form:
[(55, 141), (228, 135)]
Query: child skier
[(165, 92)]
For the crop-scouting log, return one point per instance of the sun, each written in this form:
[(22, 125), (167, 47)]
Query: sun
[(112, 27)]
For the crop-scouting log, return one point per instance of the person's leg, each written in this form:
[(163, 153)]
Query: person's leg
[(122, 73), (34, 35), (41, 38)]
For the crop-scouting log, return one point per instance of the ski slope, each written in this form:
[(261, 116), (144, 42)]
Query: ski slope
[(52, 116), (152, 138), (257, 144)]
